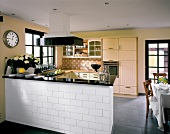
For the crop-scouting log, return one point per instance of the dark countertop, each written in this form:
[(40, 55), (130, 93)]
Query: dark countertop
[(64, 80)]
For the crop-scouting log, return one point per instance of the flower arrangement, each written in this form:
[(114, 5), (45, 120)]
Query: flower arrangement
[(23, 61), (163, 80)]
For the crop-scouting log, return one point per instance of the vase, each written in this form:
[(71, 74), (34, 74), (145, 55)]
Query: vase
[(13, 70), (10, 70), (30, 70)]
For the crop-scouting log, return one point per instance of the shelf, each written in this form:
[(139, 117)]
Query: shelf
[(81, 48)]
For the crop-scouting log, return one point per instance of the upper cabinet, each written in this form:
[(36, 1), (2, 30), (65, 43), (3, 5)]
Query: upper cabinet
[(127, 44), (110, 44), (110, 49), (91, 48), (94, 47), (127, 49), (68, 51)]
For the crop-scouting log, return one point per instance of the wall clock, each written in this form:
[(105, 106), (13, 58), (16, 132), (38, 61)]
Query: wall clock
[(10, 38)]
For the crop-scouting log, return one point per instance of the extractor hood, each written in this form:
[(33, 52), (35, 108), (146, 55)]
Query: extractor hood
[(59, 32)]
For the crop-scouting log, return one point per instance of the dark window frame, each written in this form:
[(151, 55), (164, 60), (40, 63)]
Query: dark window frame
[(41, 34), (147, 42)]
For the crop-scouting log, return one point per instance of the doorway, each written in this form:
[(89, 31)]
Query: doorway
[(157, 57)]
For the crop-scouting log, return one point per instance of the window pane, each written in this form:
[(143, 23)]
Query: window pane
[(153, 61), (29, 49), (28, 39), (35, 37), (45, 60), (163, 61), (50, 51), (37, 51), (163, 49), (163, 70), (50, 60), (44, 51), (151, 71), (152, 49)]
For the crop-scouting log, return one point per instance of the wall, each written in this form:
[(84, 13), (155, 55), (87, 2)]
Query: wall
[(18, 26), (142, 34), (80, 63)]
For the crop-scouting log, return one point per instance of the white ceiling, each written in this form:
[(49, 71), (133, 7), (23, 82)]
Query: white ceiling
[(90, 15)]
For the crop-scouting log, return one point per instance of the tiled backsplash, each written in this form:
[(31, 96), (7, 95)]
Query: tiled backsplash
[(79, 63)]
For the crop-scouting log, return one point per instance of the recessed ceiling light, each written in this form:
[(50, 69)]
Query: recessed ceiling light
[(127, 24), (32, 20), (108, 26), (54, 9), (46, 25), (106, 3), (13, 14)]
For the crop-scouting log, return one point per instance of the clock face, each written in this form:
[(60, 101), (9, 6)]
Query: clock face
[(10, 38)]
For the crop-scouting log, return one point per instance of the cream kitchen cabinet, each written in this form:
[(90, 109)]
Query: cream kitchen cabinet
[(111, 43), (93, 76), (110, 54), (68, 51), (128, 44), (127, 57), (110, 49), (128, 66), (116, 86), (94, 48)]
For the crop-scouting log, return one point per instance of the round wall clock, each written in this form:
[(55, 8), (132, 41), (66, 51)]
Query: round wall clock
[(10, 38)]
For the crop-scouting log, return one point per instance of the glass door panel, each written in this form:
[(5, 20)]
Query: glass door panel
[(153, 61), (151, 71), (157, 57)]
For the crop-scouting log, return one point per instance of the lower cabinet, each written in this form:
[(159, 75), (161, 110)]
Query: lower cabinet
[(130, 90), (93, 76), (110, 54), (127, 81)]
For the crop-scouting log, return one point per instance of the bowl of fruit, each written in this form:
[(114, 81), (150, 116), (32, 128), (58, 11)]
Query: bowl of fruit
[(55, 73)]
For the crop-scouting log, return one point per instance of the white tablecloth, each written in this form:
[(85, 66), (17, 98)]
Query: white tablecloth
[(163, 102)]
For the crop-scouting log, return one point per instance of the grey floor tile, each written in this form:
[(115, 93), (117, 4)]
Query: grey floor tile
[(127, 129), (130, 117)]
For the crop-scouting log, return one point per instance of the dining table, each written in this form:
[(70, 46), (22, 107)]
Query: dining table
[(162, 94)]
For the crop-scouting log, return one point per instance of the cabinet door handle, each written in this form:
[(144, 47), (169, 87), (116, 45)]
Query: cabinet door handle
[(127, 87), (110, 48)]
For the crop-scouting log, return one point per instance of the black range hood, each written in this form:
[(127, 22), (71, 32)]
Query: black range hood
[(60, 41)]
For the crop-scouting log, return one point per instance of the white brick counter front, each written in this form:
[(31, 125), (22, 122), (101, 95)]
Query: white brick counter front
[(63, 107)]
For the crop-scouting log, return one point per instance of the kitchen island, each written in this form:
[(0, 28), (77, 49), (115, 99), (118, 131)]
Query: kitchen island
[(71, 106)]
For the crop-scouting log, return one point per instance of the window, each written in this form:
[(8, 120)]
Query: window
[(44, 53), (156, 57)]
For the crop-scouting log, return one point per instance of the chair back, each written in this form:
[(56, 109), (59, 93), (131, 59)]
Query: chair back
[(156, 76), (148, 89)]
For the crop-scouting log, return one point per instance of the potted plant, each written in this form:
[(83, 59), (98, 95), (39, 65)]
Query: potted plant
[(22, 61)]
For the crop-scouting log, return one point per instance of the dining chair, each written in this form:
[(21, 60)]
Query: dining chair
[(157, 75), (151, 100)]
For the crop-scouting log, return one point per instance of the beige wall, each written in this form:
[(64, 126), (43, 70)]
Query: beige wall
[(19, 27), (142, 34)]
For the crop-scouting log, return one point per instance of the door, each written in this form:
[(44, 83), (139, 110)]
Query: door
[(156, 57)]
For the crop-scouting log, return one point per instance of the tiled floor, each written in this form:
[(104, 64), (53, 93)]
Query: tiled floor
[(129, 118)]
